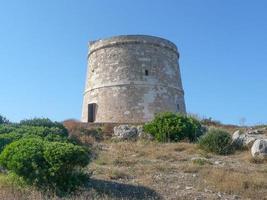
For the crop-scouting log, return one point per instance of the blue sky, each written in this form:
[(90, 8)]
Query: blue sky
[(222, 43)]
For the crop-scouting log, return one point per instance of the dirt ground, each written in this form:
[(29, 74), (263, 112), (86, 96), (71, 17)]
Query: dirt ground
[(149, 170)]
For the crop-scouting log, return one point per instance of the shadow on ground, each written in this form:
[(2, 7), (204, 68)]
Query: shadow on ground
[(122, 191)]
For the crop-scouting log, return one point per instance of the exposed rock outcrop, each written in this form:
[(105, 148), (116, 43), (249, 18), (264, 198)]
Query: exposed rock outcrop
[(247, 138), (259, 149), (130, 132), (125, 132)]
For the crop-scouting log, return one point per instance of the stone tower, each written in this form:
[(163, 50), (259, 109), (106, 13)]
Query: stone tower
[(130, 78)]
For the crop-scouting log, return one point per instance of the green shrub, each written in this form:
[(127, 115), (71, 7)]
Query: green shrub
[(6, 139), (40, 131), (65, 161), (45, 128), (25, 158), (48, 165), (173, 127), (217, 141), (10, 133), (57, 138), (50, 134), (7, 128), (44, 122)]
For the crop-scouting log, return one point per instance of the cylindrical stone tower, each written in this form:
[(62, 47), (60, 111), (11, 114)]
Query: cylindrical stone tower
[(130, 78)]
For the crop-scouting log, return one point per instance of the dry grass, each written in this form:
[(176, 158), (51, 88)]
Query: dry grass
[(247, 157), (151, 163), (251, 184), (9, 190), (83, 135), (115, 174), (151, 170)]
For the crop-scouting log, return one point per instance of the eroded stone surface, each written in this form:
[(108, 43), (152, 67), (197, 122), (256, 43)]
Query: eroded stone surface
[(130, 132), (125, 132), (247, 138), (259, 148)]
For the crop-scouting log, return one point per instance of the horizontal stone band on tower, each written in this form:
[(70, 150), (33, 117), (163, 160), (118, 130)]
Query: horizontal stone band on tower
[(133, 39), (130, 78), (130, 83)]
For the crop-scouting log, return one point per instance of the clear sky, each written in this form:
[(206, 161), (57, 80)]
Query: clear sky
[(222, 43)]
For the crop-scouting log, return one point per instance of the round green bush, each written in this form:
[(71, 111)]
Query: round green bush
[(25, 158), (50, 166), (173, 127), (217, 141), (65, 161)]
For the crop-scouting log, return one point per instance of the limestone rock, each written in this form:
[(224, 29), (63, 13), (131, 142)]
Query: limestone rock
[(237, 139), (140, 130), (236, 135), (250, 139), (142, 134), (247, 138), (256, 131), (125, 132), (259, 148)]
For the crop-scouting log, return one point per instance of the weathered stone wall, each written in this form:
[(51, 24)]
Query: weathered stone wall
[(130, 78)]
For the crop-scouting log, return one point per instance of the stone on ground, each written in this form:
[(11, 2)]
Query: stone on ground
[(247, 138), (125, 132), (259, 149)]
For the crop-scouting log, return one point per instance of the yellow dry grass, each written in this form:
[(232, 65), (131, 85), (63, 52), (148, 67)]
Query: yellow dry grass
[(165, 170), (249, 184)]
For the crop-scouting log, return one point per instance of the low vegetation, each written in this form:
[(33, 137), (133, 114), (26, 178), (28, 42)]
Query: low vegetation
[(7, 138), (216, 141), (41, 159), (183, 168), (171, 127), (39, 153)]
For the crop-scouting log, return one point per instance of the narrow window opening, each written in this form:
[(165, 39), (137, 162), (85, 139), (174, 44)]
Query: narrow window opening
[(146, 72)]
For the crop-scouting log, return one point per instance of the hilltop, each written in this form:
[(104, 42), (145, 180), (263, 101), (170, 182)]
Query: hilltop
[(146, 169)]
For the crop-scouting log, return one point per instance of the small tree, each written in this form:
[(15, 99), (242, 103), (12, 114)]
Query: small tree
[(3, 120)]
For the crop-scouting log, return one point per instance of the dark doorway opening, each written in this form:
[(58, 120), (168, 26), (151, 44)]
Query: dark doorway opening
[(178, 107), (91, 112)]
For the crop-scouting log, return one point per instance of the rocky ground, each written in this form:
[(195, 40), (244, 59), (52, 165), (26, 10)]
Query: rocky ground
[(149, 170), (177, 171)]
